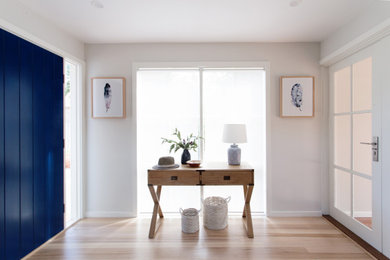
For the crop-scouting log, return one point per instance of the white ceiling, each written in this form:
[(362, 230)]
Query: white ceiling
[(123, 21)]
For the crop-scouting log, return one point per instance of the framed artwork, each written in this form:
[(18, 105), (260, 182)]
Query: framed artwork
[(108, 97), (297, 96)]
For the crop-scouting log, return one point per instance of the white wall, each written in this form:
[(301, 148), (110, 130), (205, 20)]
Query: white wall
[(378, 13), (296, 158), (17, 19)]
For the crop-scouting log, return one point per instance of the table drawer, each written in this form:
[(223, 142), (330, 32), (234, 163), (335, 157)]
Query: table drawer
[(173, 178), (227, 178)]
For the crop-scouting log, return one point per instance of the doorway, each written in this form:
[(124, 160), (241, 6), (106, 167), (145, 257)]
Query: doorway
[(72, 143)]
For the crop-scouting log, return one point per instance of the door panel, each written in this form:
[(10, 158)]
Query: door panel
[(26, 149), (2, 151), (362, 153), (39, 148), (342, 144), (31, 140), (57, 99), (362, 200), (355, 119), (342, 94), (342, 191), (362, 85), (11, 129)]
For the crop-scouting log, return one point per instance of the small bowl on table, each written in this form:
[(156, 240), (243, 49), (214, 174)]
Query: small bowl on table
[(194, 163)]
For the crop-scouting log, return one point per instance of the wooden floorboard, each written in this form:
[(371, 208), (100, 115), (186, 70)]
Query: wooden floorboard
[(275, 238), (373, 251)]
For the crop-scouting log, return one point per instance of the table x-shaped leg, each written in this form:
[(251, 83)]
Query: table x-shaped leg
[(245, 189), (156, 198), (247, 210)]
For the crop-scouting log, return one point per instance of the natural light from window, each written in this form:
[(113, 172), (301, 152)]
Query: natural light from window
[(175, 98)]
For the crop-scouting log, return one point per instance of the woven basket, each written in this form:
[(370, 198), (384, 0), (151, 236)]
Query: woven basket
[(215, 213), (189, 220)]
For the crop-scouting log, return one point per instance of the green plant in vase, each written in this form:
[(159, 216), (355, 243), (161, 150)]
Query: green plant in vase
[(188, 143)]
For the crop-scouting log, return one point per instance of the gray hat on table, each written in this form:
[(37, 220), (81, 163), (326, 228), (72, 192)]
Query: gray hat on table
[(166, 162)]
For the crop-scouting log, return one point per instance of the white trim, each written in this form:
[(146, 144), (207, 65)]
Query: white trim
[(362, 214), (364, 40), (294, 214), (110, 214), (9, 27), (363, 175), (81, 137), (325, 140), (70, 223), (198, 64), (268, 146)]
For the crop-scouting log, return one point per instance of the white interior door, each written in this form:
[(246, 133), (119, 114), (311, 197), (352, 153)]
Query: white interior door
[(355, 119)]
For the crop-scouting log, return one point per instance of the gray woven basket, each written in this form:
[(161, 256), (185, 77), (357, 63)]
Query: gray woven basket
[(189, 220), (215, 213)]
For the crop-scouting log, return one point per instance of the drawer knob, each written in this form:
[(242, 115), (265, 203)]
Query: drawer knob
[(173, 178), (226, 178)]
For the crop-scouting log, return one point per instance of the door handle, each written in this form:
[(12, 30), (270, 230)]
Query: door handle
[(374, 144)]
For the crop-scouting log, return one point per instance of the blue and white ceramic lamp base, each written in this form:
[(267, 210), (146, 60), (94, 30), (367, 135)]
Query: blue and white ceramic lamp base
[(234, 155)]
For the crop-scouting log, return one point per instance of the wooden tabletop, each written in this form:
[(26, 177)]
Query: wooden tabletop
[(211, 166)]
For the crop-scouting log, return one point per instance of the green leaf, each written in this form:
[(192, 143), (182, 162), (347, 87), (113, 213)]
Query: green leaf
[(171, 148)]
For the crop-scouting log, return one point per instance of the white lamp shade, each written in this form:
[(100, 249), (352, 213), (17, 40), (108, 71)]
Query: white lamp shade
[(234, 133)]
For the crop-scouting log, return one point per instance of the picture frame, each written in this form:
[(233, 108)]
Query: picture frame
[(108, 97), (297, 96)]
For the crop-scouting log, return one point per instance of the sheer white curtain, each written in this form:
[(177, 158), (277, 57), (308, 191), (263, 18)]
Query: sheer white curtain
[(236, 96), (170, 98), (166, 99)]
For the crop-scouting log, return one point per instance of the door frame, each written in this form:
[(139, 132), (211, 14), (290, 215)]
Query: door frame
[(81, 94), (373, 237)]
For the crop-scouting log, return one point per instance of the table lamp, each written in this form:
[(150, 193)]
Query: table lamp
[(234, 133)]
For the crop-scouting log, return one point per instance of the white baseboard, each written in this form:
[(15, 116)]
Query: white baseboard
[(128, 214), (294, 214), (110, 214)]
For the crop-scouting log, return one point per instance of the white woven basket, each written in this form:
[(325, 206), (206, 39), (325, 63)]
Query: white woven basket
[(215, 213), (189, 220)]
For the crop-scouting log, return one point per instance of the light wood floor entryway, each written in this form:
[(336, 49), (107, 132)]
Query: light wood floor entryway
[(275, 238)]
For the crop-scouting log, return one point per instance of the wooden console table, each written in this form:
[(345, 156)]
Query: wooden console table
[(209, 174)]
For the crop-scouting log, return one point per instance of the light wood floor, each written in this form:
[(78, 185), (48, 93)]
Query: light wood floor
[(275, 238)]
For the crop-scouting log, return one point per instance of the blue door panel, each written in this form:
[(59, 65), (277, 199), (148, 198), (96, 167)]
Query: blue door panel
[(2, 177), (58, 98), (39, 114), (26, 149), (49, 153), (31, 146), (12, 160)]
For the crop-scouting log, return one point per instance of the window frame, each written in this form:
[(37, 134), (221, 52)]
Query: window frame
[(136, 66)]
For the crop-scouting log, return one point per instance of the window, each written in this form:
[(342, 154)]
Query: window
[(200, 101)]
